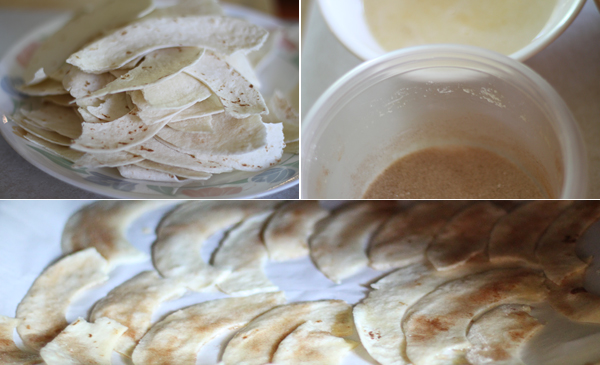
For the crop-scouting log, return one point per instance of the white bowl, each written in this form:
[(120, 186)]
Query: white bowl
[(346, 20)]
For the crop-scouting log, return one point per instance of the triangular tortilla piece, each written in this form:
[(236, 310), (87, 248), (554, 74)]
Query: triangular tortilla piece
[(465, 236), (239, 61), (202, 124), (556, 249), (44, 134), (59, 119), (132, 304), (286, 234), (174, 170), (140, 173), (178, 338), (239, 97), (257, 342), (499, 335), (79, 30), (515, 235), (222, 34), (182, 232), (113, 107), (180, 91), (436, 326), (115, 159), (45, 88), (44, 306), (63, 151), (247, 273), (9, 352), (403, 239), (61, 100), (84, 343), (338, 244)]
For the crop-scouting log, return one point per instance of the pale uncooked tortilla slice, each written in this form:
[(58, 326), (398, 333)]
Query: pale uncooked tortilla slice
[(257, 342), (84, 343), (140, 173), (182, 232), (45, 88), (113, 107), (44, 306), (403, 239), (239, 97), (338, 244), (221, 34), (180, 91), (9, 352), (556, 249), (202, 124), (61, 100), (499, 335), (174, 170), (178, 338), (465, 236), (247, 273), (115, 159), (50, 136), (103, 225), (312, 344), (436, 326), (58, 47), (59, 119), (63, 151), (286, 234), (239, 61), (132, 304), (515, 235)]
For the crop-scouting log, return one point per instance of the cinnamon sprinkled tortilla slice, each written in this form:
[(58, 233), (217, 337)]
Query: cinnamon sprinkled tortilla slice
[(140, 173), (45, 88), (59, 119), (174, 170), (9, 352), (286, 234), (132, 304), (44, 307), (201, 124), (178, 338), (63, 151), (221, 34), (115, 159), (465, 236), (257, 342), (84, 343), (403, 239), (49, 136), (436, 326), (180, 91)]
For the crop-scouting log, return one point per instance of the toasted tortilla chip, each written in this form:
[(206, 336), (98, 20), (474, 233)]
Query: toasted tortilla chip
[(63, 151), (9, 352), (79, 30), (286, 234), (257, 342), (181, 234), (221, 34), (174, 170), (62, 100), (247, 273), (202, 124), (113, 107), (139, 173), (180, 91), (436, 326), (465, 236), (44, 307), (132, 304), (96, 160), (45, 88), (49, 136), (84, 343), (239, 97), (178, 338), (59, 119)]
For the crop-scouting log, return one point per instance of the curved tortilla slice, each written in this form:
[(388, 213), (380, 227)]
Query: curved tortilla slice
[(115, 159), (113, 107), (286, 234), (174, 170), (240, 98), (403, 239), (257, 342), (181, 234), (103, 225), (178, 338), (499, 335), (465, 236), (575, 303), (180, 91), (63, 151), (9, 352), (46, 135), (81, 85), (556, 249), (202, 124), (436, 326), (515, 235), (338, 244), (45, 304), (151, 115), (84, 343), (61, 100), (47, 87), (140, 173), (210, 106), (222, 34), (247, 273), (240, 62), (59, 119), (132, 304)]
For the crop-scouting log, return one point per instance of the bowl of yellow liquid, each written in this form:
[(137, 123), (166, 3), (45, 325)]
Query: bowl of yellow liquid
[(516, 28), (442, 122)]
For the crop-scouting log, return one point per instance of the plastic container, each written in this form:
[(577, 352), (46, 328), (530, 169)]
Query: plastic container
[(433, 96)]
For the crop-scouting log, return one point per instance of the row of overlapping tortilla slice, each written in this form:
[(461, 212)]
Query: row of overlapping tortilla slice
[(465, 273), (171, 94)]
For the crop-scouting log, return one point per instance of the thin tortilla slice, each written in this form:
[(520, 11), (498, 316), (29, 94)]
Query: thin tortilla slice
[(240, 62), (140, 173), (151, 115), (46, 135), (61, 100), (81, 85), (575, 303), (44, 306), (210, 106), (132, 304), (201, 124), (403, 239), (59, 119), (9, 352), (84, 343), (174, 170), (222, 34), (115, 159), (47, 87), (257, 342), (281, 111), (247, 273), (465, 236), (62, 151), (292, 147), (178, 338), (436, 326), (286, 234), (180, 91), (114, 107)]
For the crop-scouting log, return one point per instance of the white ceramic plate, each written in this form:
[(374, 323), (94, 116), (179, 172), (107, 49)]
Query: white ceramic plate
[(281, 72)]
